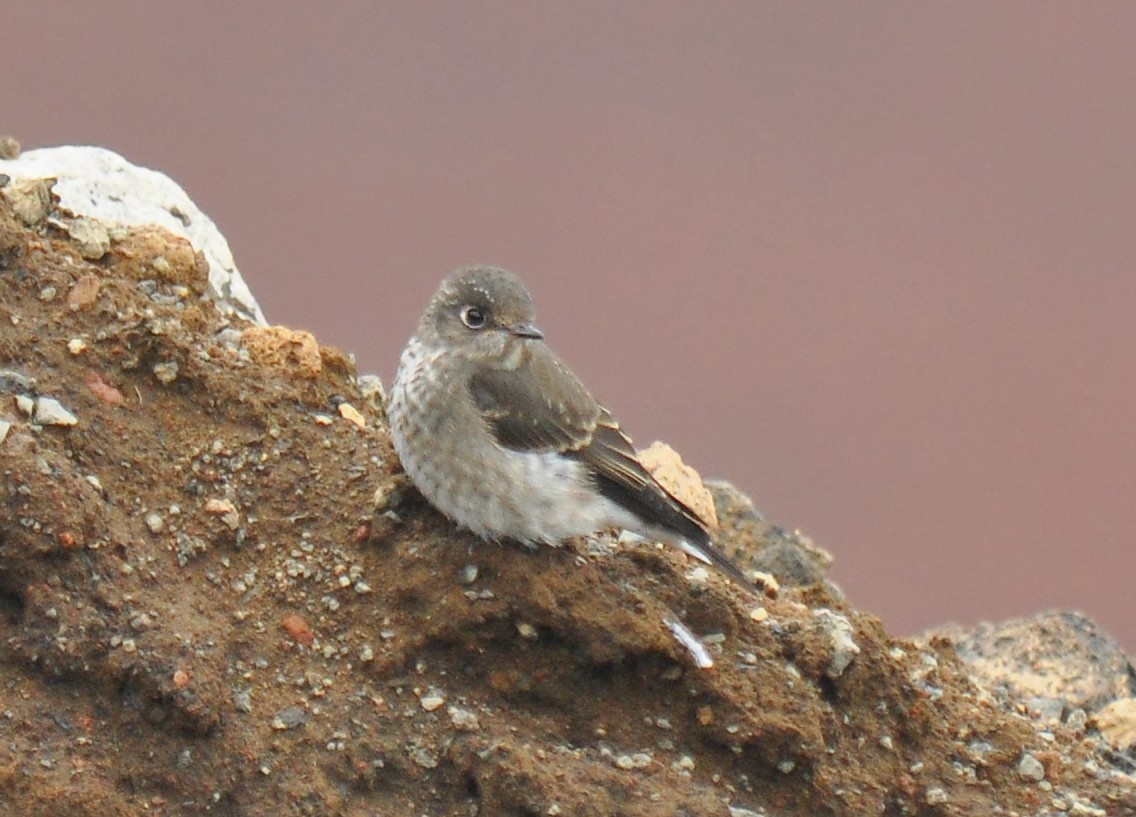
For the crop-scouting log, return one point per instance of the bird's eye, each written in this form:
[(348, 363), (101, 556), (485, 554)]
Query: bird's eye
[(473, 317)]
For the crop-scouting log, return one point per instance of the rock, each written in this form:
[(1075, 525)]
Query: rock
[(838, 630), (1030, 768), (168, 663), (1056, 655), (281, 347), (50, 412), (103, 186), (682, 481), (754, 543), (1117, 723), (30, 199)]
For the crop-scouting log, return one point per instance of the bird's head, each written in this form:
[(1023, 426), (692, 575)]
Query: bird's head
[(481, 312)]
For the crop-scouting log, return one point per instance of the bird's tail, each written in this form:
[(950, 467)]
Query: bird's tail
[(705, 551)]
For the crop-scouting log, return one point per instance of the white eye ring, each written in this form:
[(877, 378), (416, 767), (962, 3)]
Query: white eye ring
[(473, 317)]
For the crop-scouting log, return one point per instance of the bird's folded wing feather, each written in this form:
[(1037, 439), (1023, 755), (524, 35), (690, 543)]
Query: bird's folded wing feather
[(541, 406)]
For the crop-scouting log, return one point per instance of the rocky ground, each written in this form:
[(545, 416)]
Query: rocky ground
[(218, 596)]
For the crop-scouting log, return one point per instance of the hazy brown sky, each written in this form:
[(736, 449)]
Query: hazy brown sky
[(874, 263)]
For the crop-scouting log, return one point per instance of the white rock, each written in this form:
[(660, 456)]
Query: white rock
[(99, 184), (50, 412), (1030, 768), (839, 631)]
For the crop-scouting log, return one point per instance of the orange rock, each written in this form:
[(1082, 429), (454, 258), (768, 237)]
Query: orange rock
[(85, 292), (682, 481), (298, 629), (280, 347)]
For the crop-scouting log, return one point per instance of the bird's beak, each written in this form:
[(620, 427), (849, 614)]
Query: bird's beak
[(526, 330)]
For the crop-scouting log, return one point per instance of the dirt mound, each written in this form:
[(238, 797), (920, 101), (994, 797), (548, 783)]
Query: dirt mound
[(218, 596)]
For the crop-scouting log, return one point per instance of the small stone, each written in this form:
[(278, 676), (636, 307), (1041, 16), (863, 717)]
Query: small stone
[(468, 574), (1046, 709), (935, 797), (839, 631), (25, 404), (463, 720), (85, 292), (1077, 720), (758, 614), (768, 582), (526, 630), (5, 427), (698, 575), (30, 199), (298, 629), (289, 718), (225, 509), (371, 389), (50, 412), (76, 346), (90, 236), (1117, 723), (154, 522), (103, 390), (1030, 768), (47, 293), (433, 699), (352, 415), (166, 372)]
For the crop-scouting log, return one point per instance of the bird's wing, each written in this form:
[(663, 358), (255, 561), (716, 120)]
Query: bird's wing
[(538, 406), (542, 406)]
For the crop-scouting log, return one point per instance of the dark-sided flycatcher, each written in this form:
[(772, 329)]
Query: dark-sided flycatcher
[(503, 439)]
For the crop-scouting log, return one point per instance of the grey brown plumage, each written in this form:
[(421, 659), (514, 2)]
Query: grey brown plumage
[(480, 397)]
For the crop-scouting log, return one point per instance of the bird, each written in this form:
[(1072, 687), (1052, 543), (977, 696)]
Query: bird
[(498, 434)]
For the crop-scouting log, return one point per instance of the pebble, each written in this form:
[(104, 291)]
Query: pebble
[(1077, 720), (935, 797), (90, 236), (5, 427), (468, 574), (289, 718), (76, 346), (50, 412), (25, 404), (1030, 768), (154, 522), (638, 760), (698, 575), (1046, 709), (352, 415), (84, 293), (433, 699), (839, 631), (166, 372)]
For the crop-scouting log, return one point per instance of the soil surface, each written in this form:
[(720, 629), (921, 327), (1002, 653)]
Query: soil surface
[(218, 595)]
